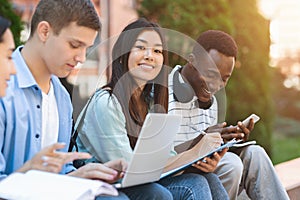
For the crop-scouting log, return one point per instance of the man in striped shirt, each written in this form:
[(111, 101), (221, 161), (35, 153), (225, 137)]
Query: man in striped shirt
[(191, 94)]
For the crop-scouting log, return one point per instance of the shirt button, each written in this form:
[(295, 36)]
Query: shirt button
[(37, 136), (38, 106)]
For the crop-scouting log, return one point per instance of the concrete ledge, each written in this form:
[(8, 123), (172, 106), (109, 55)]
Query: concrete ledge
[(289, 174)]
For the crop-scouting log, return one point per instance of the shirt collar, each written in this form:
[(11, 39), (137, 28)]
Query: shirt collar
[(24, 76)]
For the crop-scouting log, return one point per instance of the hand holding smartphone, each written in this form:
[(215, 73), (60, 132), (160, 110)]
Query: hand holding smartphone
[(247, 120)]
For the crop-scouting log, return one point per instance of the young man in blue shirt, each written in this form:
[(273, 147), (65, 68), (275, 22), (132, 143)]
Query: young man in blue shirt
[(36, 113)]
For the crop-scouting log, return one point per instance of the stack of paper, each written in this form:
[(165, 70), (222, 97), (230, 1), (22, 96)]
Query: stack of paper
[(36, 185)]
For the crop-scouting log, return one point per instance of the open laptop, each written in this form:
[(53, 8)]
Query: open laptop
[(152, 149)]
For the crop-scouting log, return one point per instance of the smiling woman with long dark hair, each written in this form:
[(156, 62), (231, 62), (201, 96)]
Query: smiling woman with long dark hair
[(116, 113)]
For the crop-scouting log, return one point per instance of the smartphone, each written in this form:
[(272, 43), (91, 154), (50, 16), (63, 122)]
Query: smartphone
[(247, 120)]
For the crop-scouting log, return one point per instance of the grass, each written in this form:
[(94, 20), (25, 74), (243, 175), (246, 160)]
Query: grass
[(285, 149), (286, 140)]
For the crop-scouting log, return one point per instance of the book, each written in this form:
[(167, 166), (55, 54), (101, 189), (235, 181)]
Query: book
[(36, 185), (208, 145)]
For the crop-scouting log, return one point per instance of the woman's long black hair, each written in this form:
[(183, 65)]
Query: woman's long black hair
[(134, 101)]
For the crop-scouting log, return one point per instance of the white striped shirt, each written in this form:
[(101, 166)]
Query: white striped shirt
[(194, 120)]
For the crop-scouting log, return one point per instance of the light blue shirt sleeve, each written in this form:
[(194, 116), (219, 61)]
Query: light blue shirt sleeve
[(21, 115), (103, 133)]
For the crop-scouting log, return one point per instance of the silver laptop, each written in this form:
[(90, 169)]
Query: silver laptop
[(152, 149)]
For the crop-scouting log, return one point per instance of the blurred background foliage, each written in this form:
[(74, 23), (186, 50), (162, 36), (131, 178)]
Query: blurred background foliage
[(7, 11), (249, 90), (254, 87)]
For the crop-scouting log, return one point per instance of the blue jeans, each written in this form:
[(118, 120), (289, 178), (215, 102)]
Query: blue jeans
[(216, 188), (187, 187), (150, 191), (121, 196)]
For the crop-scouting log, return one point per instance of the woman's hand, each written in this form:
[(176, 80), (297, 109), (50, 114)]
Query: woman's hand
[(48, 159), (119, 165), (209, 164)]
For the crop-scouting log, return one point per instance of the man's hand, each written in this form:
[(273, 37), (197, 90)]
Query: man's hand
[(109, 172), (209, 164), (227, 133), (246, 130), (50, 160), (216, 128), (240, 131)]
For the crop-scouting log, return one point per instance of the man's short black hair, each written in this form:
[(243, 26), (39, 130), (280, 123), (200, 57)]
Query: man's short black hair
[(218, 40)]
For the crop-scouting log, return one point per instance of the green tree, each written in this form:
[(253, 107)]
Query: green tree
[(189, 17), (249, 90), (6, 10)]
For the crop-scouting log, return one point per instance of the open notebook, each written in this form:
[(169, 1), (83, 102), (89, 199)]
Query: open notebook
[(208, 146), (152, 149)]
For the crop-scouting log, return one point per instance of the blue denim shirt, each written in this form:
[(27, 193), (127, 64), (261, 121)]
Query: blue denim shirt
[(21, 118)]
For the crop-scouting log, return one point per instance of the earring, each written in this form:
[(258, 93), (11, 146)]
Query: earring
[(191, 58)]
